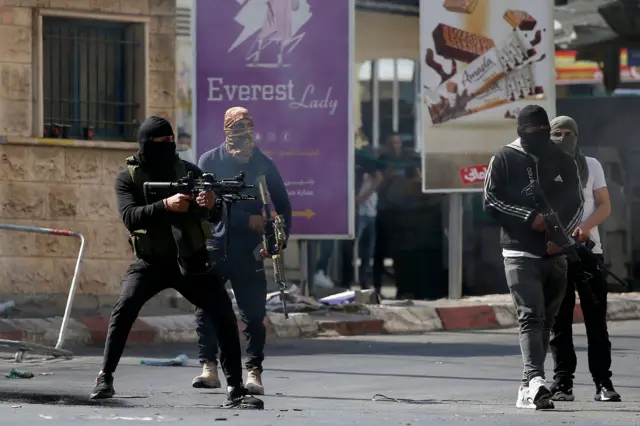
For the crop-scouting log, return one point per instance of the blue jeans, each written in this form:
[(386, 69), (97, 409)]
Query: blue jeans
[(366, 240), (326, 250)]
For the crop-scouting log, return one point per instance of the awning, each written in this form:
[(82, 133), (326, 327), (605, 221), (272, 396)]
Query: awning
[(399, 7), (572, 70)]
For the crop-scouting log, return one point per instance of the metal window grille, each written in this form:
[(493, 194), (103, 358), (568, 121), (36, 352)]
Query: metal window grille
[(90, 70)]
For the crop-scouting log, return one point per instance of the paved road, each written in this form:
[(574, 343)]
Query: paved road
[(454, 378)]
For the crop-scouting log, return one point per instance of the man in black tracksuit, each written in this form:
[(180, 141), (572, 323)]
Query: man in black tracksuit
[(535, 268)]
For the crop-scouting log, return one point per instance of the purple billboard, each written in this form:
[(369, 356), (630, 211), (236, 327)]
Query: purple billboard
[(290, 63)]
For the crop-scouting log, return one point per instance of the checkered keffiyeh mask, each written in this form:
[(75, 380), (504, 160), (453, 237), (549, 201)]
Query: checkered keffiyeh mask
[(238, 129)]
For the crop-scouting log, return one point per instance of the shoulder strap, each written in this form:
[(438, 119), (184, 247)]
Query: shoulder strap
[(138, 176)]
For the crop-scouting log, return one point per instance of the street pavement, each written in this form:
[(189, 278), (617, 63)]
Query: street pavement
[(449, 378)]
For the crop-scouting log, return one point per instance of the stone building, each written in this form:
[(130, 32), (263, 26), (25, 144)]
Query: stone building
[(69, 68)]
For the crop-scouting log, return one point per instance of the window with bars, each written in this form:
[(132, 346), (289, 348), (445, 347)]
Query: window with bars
[(93, 73)]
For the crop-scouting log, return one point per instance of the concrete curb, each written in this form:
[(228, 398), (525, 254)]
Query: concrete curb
[(373, 319)]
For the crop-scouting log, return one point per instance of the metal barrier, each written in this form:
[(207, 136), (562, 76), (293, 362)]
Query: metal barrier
[(56, 351)]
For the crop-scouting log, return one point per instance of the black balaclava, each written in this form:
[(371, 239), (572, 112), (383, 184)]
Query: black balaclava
[(534, 130), (156, 156)]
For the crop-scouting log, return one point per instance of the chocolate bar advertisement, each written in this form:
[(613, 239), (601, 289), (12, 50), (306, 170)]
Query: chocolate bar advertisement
[(481, 62)]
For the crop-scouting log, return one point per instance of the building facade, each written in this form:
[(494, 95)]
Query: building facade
[(76, 79)]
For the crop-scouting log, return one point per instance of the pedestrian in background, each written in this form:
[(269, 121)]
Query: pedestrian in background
[(407, 229)]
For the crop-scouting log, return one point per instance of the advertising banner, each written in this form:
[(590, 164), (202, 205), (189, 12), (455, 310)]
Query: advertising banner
[(289, 62), (482, 61)]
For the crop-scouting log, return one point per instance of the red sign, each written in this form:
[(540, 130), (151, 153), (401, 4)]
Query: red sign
[(473, 174)]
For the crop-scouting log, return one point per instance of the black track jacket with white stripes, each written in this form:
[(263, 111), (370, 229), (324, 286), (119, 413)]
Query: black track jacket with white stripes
[(510, 171)]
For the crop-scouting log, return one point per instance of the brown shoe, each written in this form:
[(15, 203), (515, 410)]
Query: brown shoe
[(209, 377), (254, 382)]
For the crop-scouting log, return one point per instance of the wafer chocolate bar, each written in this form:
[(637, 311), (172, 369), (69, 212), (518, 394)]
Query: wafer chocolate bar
[(512, 52), (520, 19), (464, 94), (475, 79), (493, 97), (521, 85), (460, 6), (461, 45), (480, 74)]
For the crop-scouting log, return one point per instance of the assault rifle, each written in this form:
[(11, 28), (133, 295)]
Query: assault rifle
[(557, 234), (227, 191), (274, 241)]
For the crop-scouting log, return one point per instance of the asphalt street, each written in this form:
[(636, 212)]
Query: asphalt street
[(450, 378)]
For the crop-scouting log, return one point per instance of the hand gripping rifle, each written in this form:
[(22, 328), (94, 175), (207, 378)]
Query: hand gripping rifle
[(227, 191), (274, 241), (557, 234)]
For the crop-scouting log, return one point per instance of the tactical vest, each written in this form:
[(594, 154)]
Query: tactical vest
[(155, 241)]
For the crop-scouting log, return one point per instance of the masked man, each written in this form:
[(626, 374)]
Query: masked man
[(164, 261), (243, 265), (535, 268), (597, 207)]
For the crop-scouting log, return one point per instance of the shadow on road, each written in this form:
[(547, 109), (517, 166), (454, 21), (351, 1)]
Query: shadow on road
[(29, 397), (295, 347)]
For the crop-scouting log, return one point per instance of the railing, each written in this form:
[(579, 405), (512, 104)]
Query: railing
[(56, 351)]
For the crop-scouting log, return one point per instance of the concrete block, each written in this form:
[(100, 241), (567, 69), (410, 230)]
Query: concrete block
[(284, 328), (506, 315), (173, 328)]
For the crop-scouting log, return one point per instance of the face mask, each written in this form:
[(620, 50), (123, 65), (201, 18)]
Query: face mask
[(535, 143), (158, 153), (568, 143), (241, 150)]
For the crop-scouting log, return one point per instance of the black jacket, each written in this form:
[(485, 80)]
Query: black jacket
[(510, 171), (139, 213)]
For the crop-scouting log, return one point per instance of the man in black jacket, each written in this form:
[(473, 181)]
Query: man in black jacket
[(535, 268), (163, 261)]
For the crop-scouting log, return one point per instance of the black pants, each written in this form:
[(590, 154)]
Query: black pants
[(382, 244), (419, 274), (249, 284), (144, 280), (594, 310)]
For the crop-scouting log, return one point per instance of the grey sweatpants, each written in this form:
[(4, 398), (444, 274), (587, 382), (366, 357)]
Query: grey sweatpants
[(537, 288)]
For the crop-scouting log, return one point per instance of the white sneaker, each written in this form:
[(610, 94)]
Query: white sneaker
[(524, 400), (540, 394), (320, 279)]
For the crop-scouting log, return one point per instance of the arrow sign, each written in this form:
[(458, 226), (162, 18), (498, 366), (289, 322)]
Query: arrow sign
[(307, 213)]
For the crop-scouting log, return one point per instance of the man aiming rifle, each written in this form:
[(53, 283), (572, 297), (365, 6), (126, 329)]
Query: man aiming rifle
[(228, 192), (168, 236)]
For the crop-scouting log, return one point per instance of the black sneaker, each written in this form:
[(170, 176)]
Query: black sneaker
[(104, 387), (239, 398), (562, 392), (606, 392)]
